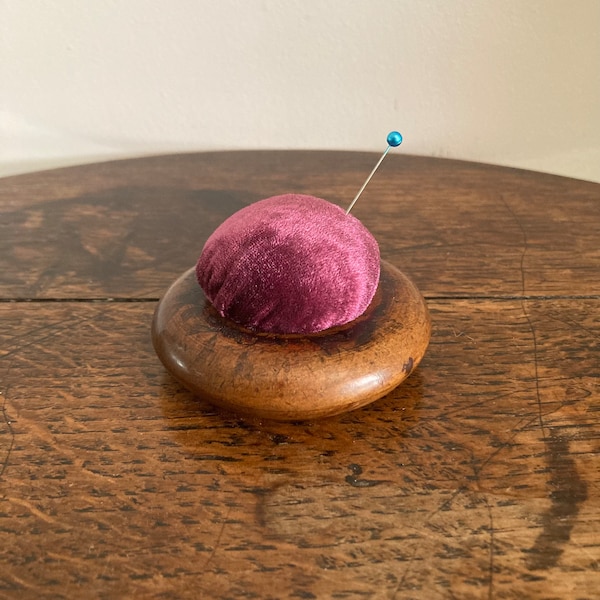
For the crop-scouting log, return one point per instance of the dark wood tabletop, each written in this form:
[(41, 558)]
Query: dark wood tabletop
[(478, 477)]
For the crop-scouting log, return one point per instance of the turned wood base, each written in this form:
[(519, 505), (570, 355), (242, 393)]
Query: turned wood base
[(292, 377)]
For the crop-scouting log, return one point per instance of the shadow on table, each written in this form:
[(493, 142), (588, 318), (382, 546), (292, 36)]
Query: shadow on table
[(203, 429)]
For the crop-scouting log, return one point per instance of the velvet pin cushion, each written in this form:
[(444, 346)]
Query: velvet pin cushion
[(289, 314)]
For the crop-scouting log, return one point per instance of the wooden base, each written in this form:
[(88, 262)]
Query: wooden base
[(292, 377)]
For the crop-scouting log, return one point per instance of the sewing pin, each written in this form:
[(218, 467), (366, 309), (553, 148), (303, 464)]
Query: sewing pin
[(394, 139)]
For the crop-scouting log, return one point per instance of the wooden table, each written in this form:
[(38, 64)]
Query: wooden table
[(477, 478)]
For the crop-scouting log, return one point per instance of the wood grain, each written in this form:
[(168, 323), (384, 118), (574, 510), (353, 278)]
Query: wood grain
[(117, 481), (476, 478), (127, 228)]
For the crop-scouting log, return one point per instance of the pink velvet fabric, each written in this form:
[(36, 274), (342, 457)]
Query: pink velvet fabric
[(290, 264)]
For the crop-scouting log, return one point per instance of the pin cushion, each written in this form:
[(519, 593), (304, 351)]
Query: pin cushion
[(289, 314)]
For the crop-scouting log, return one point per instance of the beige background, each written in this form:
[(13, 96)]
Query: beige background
[(513, 82)]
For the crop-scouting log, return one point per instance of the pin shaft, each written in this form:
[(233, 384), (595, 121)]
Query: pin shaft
[(368, 179)]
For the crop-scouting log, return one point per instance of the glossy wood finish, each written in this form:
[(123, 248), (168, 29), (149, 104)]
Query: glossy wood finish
[(476, 478), (292, 377)]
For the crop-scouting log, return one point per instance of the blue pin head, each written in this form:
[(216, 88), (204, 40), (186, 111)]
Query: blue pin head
[(394, 138)]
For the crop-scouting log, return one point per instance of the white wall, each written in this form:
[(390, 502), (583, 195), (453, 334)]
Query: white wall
[(513, 82)]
